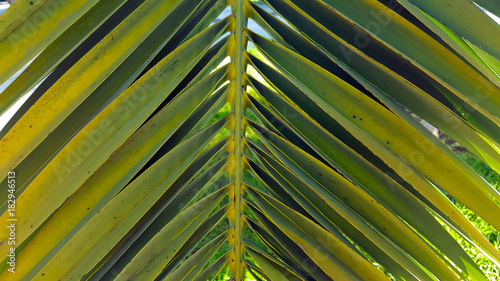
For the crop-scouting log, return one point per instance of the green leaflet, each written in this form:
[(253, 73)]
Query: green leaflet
[(317, 243), (115, 217), (353, 110), (28, 35), (192, 267), (107, 132), (57, 51), (479, 28)]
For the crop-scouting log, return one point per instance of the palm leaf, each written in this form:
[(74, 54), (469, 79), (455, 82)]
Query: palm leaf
[(160, 140)]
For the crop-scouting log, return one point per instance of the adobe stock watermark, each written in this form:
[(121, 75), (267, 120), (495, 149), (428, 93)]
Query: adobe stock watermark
[(11, 221), (30, 27)]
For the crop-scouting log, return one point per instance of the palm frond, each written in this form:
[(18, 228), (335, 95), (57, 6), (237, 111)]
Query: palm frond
[(164, 140)]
